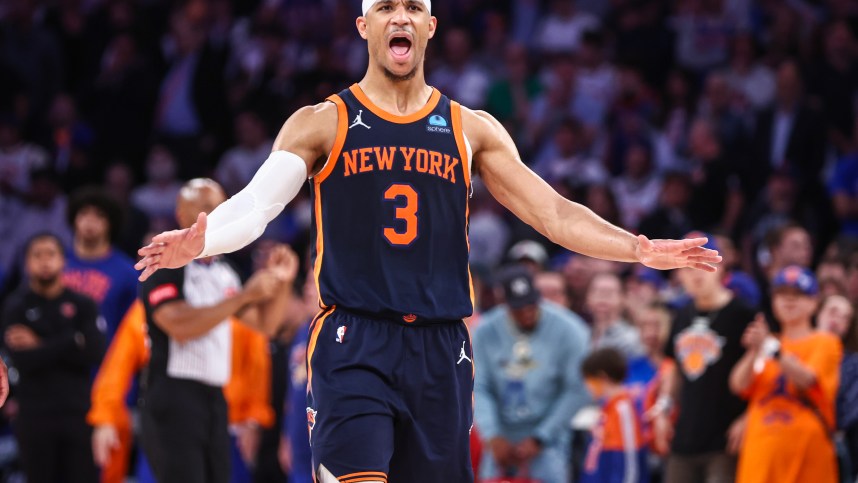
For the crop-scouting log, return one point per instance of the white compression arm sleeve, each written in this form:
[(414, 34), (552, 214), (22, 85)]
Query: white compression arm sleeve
[(241, 219)]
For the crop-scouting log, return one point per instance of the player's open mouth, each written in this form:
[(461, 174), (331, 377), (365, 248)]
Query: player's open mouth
[(400, 46)]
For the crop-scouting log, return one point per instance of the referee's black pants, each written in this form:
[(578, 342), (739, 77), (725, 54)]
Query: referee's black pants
[(184, 431), (56, 448)]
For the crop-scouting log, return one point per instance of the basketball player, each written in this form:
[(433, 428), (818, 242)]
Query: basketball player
[(390, 161)]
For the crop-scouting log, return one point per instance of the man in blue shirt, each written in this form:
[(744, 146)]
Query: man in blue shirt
[(528, 383), (101, 272), (94, 267)]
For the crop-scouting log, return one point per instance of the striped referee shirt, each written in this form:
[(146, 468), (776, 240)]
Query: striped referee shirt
[(206, 359)]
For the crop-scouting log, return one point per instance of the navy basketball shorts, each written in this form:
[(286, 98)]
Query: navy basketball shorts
[(389, 400)]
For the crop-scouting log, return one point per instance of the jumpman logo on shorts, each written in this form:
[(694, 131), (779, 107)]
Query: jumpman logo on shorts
[(463, 356), (358, 121)]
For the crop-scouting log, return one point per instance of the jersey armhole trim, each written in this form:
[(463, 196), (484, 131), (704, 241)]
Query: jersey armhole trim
[(327, 169), (470, 155), (339, 141), (459, 134)]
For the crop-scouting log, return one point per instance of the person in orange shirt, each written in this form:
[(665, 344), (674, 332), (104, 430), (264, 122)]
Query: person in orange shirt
[(247, 393), (109, 414), (791, 385)]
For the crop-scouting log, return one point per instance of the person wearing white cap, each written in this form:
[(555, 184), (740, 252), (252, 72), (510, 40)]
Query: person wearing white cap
[(529, 253), (390, 161)]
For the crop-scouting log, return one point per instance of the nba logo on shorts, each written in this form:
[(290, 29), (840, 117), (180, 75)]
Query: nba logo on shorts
[(341, 333)]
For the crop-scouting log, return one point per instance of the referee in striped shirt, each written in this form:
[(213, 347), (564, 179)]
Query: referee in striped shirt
[(184, 415)]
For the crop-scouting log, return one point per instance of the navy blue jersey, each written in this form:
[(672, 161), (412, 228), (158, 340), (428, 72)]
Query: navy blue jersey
[(391, 212)]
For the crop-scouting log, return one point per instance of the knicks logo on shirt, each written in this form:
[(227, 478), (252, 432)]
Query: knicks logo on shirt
[(91, 283), (311, 418), (311, 422), (778, 417), (697, 348)]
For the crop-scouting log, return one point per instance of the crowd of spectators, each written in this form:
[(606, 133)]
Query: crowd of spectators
[(662, 116), (735, 117)]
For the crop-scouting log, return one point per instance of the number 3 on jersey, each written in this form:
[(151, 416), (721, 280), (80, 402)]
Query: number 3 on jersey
[(407, 213)]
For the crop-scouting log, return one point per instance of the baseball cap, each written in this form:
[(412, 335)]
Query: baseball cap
[(798, 278), (517, 282), (530, 250), (744, 287), (711, 244)]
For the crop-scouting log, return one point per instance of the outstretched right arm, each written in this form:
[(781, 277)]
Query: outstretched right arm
[(305, 138)]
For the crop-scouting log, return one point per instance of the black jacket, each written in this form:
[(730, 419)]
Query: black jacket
[(55, 378)]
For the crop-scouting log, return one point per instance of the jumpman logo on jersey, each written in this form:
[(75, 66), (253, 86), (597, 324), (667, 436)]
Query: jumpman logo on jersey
[(358, 121), (463, 356)]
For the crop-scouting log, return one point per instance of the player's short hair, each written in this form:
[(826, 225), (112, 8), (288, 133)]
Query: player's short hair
[(100, 199), (606, 361)]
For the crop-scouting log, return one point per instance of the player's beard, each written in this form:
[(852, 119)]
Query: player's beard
[(400, 78)]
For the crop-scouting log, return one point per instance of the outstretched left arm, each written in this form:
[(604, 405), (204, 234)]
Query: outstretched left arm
[(564, 222)]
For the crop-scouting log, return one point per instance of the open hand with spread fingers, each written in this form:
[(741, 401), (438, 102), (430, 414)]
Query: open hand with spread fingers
[(172, 249), (670, 254)]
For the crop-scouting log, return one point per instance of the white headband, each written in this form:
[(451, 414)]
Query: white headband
[(369, 3)]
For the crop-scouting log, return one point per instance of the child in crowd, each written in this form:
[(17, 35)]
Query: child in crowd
[(790, 383), (616, 451)]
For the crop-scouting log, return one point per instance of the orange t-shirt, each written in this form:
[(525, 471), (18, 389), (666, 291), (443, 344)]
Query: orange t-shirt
[(785, 441), (127, 354), (248, 392)]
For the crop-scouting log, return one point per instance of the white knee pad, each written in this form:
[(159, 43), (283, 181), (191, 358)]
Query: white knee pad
[(325, 476)]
